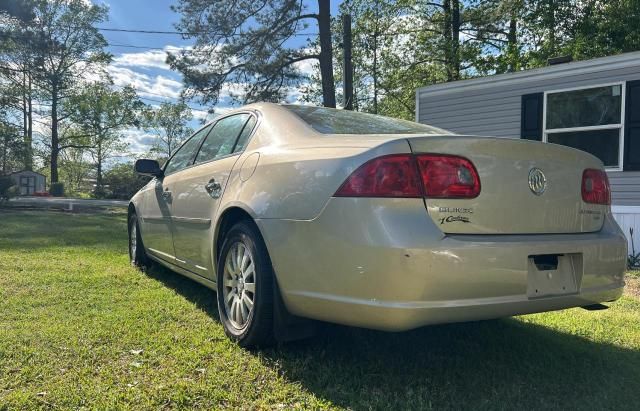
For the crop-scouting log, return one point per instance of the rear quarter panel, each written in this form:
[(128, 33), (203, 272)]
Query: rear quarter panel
[(293, 182)]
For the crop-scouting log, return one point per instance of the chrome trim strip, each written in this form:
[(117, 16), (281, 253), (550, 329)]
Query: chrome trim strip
[(155, 220), (195, 277), (190, 220), (160, 253)]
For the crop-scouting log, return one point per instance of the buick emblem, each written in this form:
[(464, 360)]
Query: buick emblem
[(537, 181)]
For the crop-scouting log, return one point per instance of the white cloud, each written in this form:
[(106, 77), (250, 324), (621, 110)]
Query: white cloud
[(149, 59), (307, 67), (155, 87), (144, 71), (139, 140), (200, 115)]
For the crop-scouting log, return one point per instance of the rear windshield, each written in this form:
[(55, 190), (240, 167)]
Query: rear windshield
[(333, 121)]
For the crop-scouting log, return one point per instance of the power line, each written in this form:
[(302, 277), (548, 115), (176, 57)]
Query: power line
[(132, 46), (177, 48), (182, 33)]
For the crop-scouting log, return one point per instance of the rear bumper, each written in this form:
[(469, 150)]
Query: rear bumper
[(383, 264)]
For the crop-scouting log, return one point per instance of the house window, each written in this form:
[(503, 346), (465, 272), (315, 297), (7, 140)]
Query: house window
[(589, 119)]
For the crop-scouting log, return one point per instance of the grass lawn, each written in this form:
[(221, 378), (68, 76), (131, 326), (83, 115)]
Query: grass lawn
[(80, 328)]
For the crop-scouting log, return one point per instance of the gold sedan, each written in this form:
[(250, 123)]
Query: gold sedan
[(293, 212)]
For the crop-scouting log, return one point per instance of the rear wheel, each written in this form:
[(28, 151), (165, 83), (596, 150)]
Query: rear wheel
[(137, 254), (245, 287)]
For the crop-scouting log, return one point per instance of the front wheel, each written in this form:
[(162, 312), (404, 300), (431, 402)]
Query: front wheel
[(137, 254), (245, 287)]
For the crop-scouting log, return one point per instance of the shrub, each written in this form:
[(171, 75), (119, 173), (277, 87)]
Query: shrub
[(123, 182), (6, 188), (99, 192), (57, 189)]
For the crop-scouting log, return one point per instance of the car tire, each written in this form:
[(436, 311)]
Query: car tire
[(137, 254), (245, 284)]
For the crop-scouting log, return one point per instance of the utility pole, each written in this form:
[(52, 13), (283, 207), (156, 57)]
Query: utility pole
[(347, 75)]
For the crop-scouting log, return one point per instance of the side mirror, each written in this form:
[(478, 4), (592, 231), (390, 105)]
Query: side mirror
[(148, 168)]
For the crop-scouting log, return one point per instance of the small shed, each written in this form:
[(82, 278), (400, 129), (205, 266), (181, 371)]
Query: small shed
[(29, 182)]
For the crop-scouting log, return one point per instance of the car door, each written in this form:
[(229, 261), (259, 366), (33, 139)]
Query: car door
[(197, 195), (156, 222)]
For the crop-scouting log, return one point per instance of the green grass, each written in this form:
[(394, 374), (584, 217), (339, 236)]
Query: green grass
[(74, 316), (634, 274)]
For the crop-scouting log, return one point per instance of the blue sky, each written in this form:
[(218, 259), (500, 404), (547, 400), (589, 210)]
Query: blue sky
[(139, 58)]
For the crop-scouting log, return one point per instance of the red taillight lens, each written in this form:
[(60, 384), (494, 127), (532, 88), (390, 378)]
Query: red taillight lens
[(406, 175), (388, 176), (446, 176), (595, 187)]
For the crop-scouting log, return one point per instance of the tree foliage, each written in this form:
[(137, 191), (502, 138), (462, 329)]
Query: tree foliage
[(243, 52), (123, 182), (18, 45), (72, 45), (11, 148), (400, 45), (100, 115), (169, 123)]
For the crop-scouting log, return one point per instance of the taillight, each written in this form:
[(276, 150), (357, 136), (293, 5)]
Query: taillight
[(388, 176), (445, 176), (406, 175), (595, 187)]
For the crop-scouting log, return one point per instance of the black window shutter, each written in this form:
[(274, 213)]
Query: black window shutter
[(632, 127), (531, 116)]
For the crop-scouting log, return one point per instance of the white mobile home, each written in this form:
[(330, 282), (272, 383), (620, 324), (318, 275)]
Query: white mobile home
[(592, 105)]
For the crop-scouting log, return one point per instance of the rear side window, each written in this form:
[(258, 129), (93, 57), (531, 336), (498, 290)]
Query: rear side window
[(244, 136), (332, 121), (223, 137), (184, 156)]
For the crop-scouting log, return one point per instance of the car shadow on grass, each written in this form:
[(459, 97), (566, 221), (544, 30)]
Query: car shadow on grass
[(201, 296), (501, 364)]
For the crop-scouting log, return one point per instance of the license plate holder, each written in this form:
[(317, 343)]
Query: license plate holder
[(553, 274)]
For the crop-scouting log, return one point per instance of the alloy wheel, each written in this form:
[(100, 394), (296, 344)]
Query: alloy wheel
[(239, 285), (133, 240)]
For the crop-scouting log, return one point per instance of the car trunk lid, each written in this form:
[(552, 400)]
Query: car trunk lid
[(506, 203)]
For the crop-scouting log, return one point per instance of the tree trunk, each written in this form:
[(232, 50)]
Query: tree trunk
[(446, 31), (347, 75), (552, 28), (55, 140), (512, 44), (374, 73), (455, 39), (28, 141), (326, 54), (99, 168), (25, 121), (4, 154)]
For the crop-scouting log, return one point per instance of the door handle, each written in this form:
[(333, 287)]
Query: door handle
[(213, 188), (167, 196)]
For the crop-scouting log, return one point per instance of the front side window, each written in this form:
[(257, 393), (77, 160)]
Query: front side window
[(588, 119), (184, 156), (223, 137), (333, 121)]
